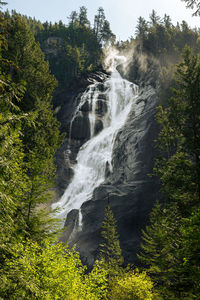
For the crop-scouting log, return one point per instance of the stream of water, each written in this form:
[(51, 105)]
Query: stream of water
[(96, 154)]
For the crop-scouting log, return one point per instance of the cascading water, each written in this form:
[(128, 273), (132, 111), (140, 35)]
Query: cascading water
[(95, 155)]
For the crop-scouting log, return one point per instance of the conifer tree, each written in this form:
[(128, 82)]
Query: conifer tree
[(110, 249), (99, 20), (110, 254), (141, 28), (83, 20), (155, 19), (194, 4), (13, 178), (29, 135), (102, 28), (168, 240)]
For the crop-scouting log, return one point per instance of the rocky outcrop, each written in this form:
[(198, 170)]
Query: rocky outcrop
[(128, 188), (75, 126), (51, 45)]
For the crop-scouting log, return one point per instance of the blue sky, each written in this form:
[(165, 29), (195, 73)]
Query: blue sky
[(122, 14)]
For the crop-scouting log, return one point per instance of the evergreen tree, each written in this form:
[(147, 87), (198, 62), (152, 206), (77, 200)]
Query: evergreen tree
[(13, 178), (141, 31), (83, 20), (154, 18), (73, 18), (102, 28), (141, 28), (29, 137), (167, 248), (110, 249), (99, 20), (106, 33), (39, 148), (167, 21), (193, 4)]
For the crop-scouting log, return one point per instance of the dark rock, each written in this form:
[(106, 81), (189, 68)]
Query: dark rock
[(85, 107), (102, 87), (101, 107), (107, 171), (98, 126), (70, 224), (128, 189), (65, 102), (64, 168), (80, 128)]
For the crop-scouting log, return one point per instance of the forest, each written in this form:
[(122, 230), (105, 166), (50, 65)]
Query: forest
[(39, 58)]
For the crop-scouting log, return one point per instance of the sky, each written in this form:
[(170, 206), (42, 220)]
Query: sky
[(122, 14)]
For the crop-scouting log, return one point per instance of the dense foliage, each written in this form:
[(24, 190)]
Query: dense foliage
[(75, 48), (33, 265), (29, 137), (160, 37), (170, 249), (122, 283), (157, 47), (171, 241)]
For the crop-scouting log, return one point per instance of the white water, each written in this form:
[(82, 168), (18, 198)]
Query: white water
[(89, 172)]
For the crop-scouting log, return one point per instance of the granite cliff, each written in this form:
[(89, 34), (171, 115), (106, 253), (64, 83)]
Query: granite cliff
[(126, 186)]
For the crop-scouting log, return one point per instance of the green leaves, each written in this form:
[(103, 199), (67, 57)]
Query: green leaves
[(133, 285), (170, 242), (50, 272)]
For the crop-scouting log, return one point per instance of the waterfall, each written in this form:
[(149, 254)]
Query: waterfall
[(95, 156)]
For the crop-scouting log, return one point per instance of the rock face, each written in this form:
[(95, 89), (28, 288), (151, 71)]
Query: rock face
[(128, 188), (75, 126)]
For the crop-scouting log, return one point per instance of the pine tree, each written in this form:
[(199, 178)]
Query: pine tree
[(167, 21), (110, 249), (106, 33), (193, 4), (13, 178), (141, 28), (29, 135), (83, 20), (99, 20), (155, 19), (170, 241)]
